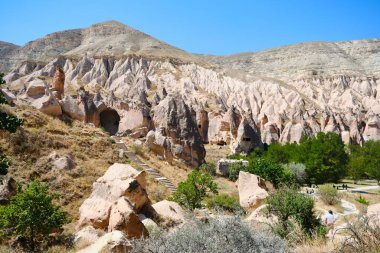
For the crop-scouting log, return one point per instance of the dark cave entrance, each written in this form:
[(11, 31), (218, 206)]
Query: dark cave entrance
[(109, 120)]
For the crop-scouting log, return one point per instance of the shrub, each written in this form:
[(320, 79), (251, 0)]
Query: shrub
[(291, 206), (361, 235), (328, 194), (191, 192), (137, 149), (223, 202), (234, 169), (209, 168), (222, 235), (362, 200), (4, 164), (31, 213), (299, 171)]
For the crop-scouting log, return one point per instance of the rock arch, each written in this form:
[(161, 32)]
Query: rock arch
[(109, 120)]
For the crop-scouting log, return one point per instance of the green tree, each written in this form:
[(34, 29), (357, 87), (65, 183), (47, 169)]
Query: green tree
[(191, 192), (365, 159), (356, 167), (271, 171), (31, 213), (371, 153), (324, 157), (282, 153), (291, 206)]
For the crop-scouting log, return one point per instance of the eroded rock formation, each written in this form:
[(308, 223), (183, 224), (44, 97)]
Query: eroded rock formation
[(243, 100)]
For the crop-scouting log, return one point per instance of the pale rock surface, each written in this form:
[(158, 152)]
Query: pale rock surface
[(251, 190), (58, 83), (123, 218), (112, 242), (373, 213), (86, 235), (39, 96), (170, 210), (117, 197), (301, 89), (8, 188)]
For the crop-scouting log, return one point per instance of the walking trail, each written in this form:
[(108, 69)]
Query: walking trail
[(151, 171)]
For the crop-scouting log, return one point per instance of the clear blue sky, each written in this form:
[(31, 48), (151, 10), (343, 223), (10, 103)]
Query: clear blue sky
[(201, 26)]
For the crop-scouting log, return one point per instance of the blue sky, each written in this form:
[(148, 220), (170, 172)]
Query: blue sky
[(201, 26)]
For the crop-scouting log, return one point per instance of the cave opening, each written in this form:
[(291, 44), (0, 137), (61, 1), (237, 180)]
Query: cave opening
[(109, 120)]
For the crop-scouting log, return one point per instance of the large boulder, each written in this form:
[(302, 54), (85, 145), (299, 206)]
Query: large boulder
[(139, 126), (169, 210), (124, 218), (223, 165), (252, 190), (38, 94), (117, 198), (176, 120), (373, 213), (73, 108), (61, 162), (8, 188), (113, 242)]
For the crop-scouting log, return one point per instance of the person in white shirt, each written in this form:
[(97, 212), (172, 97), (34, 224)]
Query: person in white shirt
[(330, 222)]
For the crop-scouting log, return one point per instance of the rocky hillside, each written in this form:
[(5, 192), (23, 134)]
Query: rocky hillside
[(131, 84)]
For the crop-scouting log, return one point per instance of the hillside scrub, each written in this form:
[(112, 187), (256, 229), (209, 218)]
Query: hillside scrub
[(329, 195), (324, 157), (222, 235), (32, 214), (292, 208), (194, 189)]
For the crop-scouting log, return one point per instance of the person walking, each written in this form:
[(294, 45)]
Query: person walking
[(329, 220)]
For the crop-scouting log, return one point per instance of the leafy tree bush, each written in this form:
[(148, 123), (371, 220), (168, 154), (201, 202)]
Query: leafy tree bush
[(324, 157), (365, 159), (271, 171), (31, 213), (299, 171), (328, 194), (234, 169), (4, 164), (291, 206), (282, 153), (356, 167), (191, 192), (209, 168), (223, 202), (222, 235)]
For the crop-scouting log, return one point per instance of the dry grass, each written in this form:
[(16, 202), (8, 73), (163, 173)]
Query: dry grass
[(29, 148), (316, 246), (175, 172), (156, 191), (215, 152)]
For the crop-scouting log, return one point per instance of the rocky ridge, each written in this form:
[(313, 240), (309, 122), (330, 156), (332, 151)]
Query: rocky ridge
[(136, 85)]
